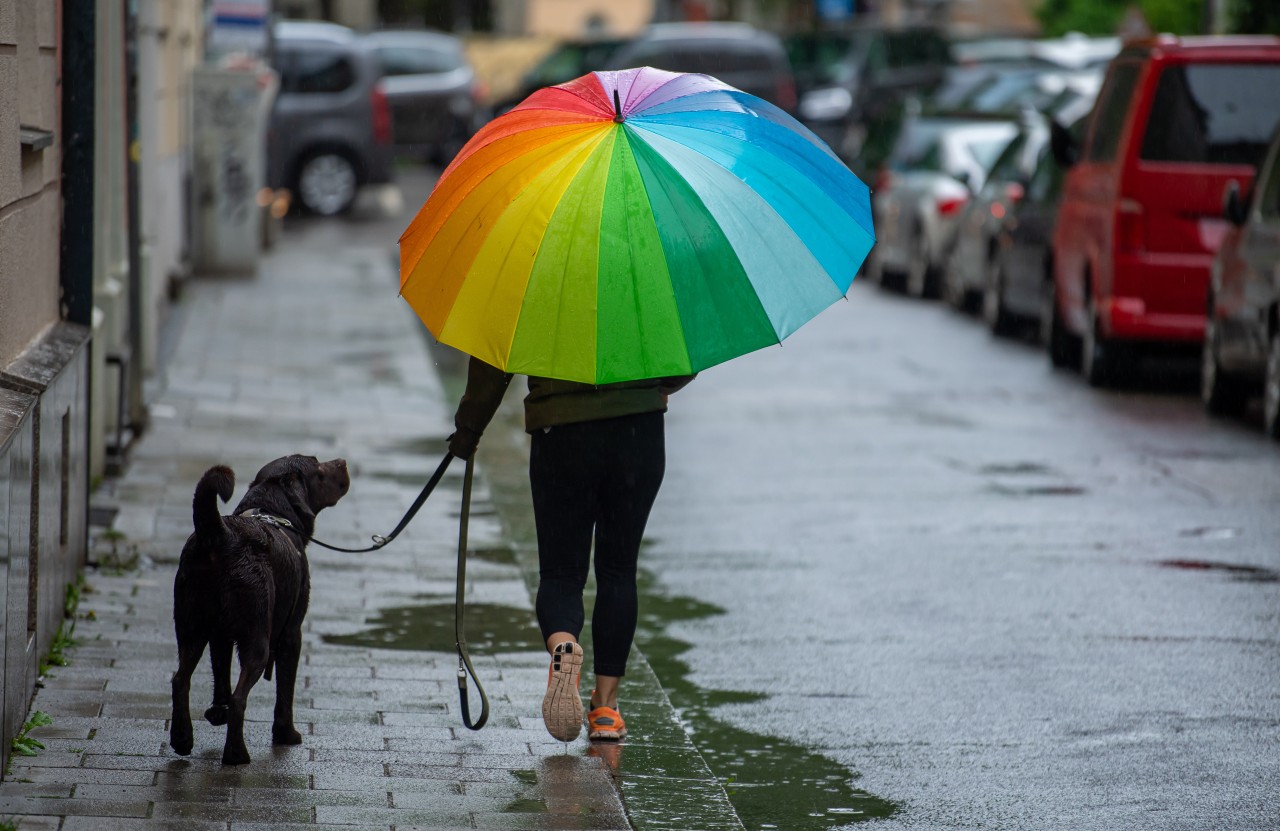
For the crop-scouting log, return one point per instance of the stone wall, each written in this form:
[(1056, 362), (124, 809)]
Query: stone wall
[(17, 626)]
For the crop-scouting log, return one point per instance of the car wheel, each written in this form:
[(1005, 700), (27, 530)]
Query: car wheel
[(1097, 352), (1053, 332), (953, 291), (1271, 391), (1220, 393), (327, 183), (994, 312), (917, 280)]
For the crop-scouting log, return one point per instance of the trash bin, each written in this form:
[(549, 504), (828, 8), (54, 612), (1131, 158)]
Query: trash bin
[(231, 111)]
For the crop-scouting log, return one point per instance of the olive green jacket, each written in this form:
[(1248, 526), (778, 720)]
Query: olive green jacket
[(551, 402)]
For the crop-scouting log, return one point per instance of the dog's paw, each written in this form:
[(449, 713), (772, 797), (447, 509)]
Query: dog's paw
[(216, 715), (285, 735)]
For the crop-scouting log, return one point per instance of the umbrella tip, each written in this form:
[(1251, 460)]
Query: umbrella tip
[(617, 107)]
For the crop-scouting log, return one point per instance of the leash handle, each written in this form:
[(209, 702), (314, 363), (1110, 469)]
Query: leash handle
[(464, 659), (378, 540)]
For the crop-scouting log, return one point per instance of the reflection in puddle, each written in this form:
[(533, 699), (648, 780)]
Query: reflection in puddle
[(1250, 574), (772, 783), (429, 627)]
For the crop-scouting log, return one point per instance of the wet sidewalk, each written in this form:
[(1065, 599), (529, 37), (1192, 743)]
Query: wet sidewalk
[(317, 355)]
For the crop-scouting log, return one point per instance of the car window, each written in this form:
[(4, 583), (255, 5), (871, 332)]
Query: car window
[(570, 61), (1007, 166), (321, 71), (711, 60), (822, 58), (916, 48), (1109, 116), (1045, 179), (985, 151), (409, 60), (1213, 114)]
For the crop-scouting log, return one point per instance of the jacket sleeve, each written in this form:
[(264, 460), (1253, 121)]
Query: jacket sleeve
[(485, 387)]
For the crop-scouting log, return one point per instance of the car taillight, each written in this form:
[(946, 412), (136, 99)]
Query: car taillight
[(787, 94), (381, 115), (950, 205), (1129, 230)]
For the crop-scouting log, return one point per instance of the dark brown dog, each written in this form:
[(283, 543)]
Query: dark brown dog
[(243, 580)]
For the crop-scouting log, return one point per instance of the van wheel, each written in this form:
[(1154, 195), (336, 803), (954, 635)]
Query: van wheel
[(1058, 342), (327, 183), (1220, 393), (994, 311), (1271, 392), (1098, 357)]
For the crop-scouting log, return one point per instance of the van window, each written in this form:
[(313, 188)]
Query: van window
[(1213, 114), (315, 72), (409, 60), (1109, 115)]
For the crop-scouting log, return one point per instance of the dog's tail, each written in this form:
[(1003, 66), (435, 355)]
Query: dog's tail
[(204, 508)]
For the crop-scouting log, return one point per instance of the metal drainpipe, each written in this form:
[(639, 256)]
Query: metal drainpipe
[(79, 23), (136, 410)]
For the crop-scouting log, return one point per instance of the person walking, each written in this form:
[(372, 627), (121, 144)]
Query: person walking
[(596, 461)]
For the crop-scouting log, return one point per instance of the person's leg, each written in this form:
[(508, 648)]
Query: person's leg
[(563, 504), (638, 462), (561, 483)]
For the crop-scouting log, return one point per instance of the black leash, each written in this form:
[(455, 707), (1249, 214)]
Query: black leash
[(378, 540), (464, 659)]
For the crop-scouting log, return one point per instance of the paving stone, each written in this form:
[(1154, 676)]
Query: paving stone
[(316, 355)]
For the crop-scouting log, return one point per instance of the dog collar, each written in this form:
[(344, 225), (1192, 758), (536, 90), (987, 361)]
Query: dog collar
[(270, 519)]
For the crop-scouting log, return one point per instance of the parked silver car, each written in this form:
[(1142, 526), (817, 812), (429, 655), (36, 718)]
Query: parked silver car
[(330, 128), (1241, 352), (936, 165), (432, 91)]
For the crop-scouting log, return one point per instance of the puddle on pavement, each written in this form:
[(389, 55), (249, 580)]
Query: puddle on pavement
[(1243, 573), (428, 627), (772, 783)]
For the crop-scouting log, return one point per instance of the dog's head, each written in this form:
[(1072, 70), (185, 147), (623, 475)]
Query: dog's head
[(302, 483)]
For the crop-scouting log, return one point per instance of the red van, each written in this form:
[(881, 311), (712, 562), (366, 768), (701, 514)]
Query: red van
[(1141, 216)]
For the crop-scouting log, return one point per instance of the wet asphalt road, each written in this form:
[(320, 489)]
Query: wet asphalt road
[(1003, 599), (990, 595)]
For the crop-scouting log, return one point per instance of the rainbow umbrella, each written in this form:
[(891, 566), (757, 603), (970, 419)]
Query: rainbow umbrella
[(633, 224)]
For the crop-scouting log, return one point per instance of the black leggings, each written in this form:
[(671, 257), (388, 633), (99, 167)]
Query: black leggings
[(600, 476)]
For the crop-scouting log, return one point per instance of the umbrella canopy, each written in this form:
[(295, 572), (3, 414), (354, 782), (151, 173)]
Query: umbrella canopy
[(633, 224)]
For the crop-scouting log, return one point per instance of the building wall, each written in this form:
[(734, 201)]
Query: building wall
[(29, 279), (44, 368), (576, 18), (169, 46), (17, 634)]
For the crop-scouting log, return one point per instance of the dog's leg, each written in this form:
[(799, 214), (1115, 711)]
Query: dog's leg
[(220, 658), (287, 652), (181, 738), (253, 660)]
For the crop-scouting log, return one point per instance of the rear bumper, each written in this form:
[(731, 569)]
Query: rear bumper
[(1157, 298)]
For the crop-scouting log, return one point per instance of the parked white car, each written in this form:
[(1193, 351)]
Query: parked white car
[(935, 167)]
